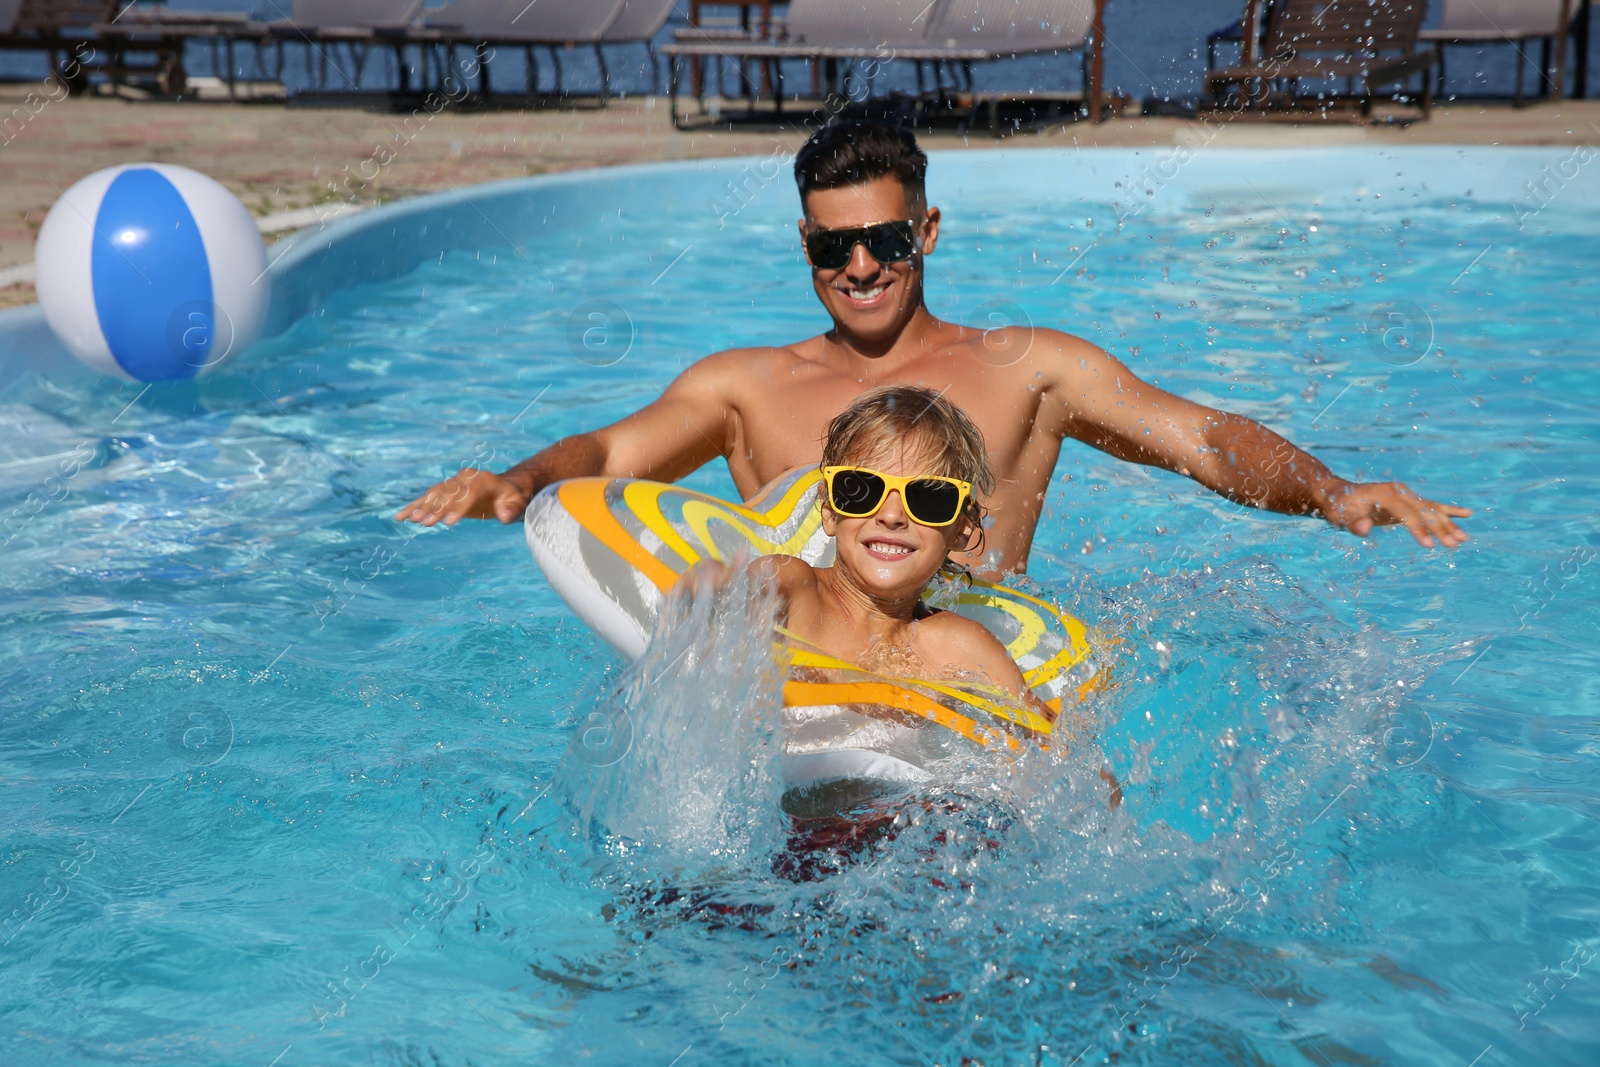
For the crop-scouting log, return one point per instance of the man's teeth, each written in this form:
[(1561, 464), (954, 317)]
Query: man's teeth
[(868, 294), (889, 550)]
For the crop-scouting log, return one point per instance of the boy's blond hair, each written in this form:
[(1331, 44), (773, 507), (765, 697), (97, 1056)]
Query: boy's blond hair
[(923, 422)]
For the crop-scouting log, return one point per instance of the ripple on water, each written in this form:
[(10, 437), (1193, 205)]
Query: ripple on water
[(340, 782)]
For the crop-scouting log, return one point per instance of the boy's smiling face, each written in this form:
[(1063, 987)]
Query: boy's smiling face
[(887, 554)]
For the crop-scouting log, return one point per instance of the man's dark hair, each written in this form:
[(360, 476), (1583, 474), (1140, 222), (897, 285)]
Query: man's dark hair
[(857, 151)]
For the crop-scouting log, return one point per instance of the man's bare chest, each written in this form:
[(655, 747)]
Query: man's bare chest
[(784, 419)]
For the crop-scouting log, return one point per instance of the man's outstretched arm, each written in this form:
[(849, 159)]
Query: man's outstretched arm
[(1111, 408), (1254, 466), (683, 429)]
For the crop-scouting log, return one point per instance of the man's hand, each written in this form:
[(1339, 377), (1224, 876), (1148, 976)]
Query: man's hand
[(468, 494), (1358, 507)]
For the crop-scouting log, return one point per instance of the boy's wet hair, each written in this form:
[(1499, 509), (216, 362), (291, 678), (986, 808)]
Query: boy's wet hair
[(884, 420), (856, 151)]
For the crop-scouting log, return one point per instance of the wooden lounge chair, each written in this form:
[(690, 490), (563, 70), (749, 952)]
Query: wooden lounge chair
[(1010, 28), (1373, 42), (69, 32), (1513, 22), (170, 29), (850, 30), (1233, 33), (9, 10), (348, 18), (325, 27), (963, 32), (40, 18), (638, 23), (754, 23), (487, 24)]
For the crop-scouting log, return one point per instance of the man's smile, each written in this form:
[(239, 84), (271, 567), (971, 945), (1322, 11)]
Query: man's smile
[(865, 296)]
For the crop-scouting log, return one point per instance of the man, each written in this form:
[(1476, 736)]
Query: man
[(866, 229)]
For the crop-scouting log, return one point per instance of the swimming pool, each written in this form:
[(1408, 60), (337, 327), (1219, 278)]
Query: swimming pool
[(288, 784)]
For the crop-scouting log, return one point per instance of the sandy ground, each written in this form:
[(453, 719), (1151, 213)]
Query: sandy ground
[(278, 159)]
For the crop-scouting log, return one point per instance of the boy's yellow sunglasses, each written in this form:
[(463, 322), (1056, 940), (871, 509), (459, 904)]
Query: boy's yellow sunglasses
[(929, 499)]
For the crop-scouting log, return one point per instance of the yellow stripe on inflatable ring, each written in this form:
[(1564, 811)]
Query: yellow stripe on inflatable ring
[(810, 656), (643, 500), (699, 513)]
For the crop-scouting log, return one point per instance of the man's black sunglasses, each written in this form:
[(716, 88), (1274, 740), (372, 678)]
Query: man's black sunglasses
[(886, 242)]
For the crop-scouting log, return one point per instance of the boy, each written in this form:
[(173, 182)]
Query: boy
[(902, 467)]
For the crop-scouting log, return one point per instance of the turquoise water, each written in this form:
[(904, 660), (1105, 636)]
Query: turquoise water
[(286, 783)]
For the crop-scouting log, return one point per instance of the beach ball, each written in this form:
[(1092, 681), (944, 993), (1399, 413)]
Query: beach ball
[(151, 272)]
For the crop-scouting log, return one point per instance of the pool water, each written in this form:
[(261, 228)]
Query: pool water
[(287, 783)]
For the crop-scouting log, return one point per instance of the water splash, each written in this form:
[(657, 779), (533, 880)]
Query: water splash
[(681, 760), (1002, 913)]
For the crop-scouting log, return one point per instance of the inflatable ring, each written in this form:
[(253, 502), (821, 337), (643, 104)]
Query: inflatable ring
[(612, 548)]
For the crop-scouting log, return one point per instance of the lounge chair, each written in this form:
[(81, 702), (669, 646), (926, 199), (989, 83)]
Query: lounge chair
[(1234, 33), (739, 29), (1513, 22), (960, 32), (59, 27), (486, 24), (1009, 28), (1373, 42), (356, 25), (864, 25), (850, 30), (171, 29), (44, 17), (638, 22), (350, 17)]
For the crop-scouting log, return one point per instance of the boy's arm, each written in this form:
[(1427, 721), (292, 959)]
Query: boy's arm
[(683, 429), (1109, 407), (712, 576)]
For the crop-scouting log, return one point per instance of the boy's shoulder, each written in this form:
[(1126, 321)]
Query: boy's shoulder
[(969, 647), (947, 626), (790, 572)]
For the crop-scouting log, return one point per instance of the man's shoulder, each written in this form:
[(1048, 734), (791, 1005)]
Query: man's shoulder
[(1058, 360), (1011, 339), (754, 358), (1052, 343), (737, 367)]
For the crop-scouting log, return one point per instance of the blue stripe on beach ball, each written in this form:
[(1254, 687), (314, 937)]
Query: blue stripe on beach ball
[(152, 281)]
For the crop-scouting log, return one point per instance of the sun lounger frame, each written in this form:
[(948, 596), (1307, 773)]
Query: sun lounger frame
[(1270, 82), (774, 52), (1569, 15), (57, 28)]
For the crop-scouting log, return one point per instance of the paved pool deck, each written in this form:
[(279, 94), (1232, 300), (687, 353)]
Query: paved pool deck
[(284, 162)]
